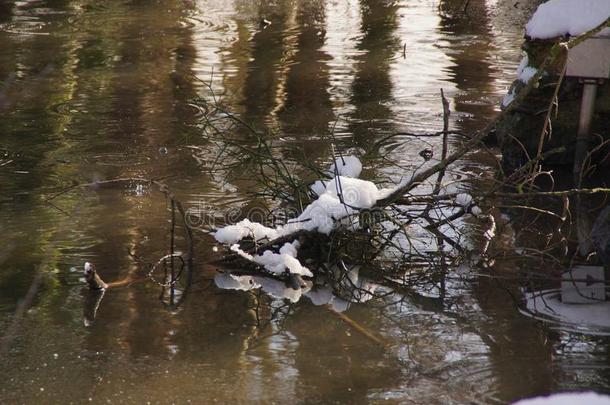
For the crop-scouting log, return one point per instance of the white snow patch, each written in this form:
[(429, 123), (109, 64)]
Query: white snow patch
[(556, 18), (547, 304), (386, 191), (525, 72), (342, 197), (349, 166), (278, 263), (354, 192), (319, 187), (571, 398), (290, 249), (234, 233), (509, 98)]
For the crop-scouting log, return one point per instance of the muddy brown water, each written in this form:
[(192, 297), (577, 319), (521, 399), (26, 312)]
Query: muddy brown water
[(95, 90)]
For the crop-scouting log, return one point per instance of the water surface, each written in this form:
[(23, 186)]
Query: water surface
[(95, 90)]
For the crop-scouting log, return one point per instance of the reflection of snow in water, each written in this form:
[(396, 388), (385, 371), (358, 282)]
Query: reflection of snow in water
[(568, 398), (352, 289), (274, 288), (546, 305)]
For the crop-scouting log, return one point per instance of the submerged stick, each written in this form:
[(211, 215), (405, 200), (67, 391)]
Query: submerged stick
[(359, 328)]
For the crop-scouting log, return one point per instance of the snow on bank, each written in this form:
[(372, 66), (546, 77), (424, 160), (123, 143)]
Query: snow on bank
[(509, 98), (546, 305), (557, 18), (572, 398), (524, 71)]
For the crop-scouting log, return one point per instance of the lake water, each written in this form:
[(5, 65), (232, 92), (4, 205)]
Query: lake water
[(95, 90)]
